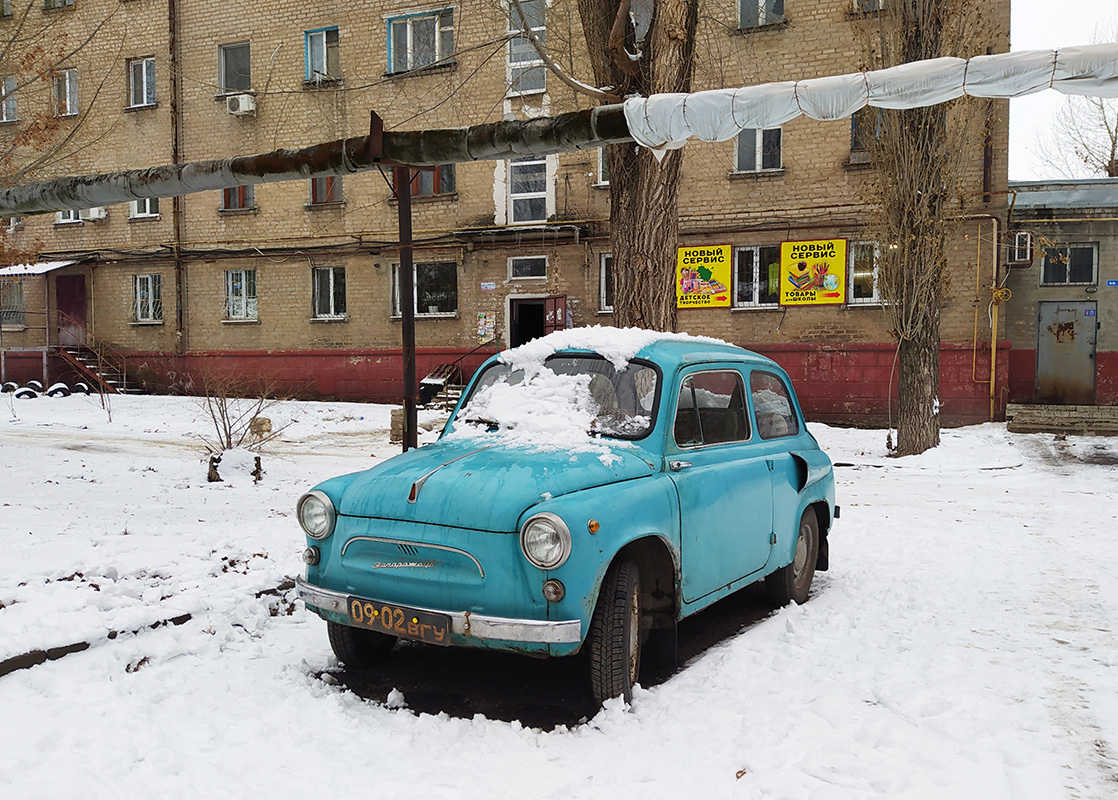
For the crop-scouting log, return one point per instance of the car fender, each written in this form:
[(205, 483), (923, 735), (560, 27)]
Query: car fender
[(649, 509)]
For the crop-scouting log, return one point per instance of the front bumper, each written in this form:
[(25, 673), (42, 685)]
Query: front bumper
[(465, 624)]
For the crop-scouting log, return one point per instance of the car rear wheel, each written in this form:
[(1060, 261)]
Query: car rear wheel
[(615, 634), (793, 582), (356, 647)]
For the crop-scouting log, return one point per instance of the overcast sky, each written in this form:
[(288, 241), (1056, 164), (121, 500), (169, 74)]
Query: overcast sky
[(1043, 25)]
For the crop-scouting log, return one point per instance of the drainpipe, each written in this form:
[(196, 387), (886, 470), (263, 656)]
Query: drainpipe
[(999, 295), (177, 201)]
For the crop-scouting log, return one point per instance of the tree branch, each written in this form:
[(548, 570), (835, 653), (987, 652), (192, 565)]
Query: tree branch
[(621, 58)]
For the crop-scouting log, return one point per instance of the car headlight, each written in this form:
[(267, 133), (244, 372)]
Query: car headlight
[(316, 514), (545, 540)]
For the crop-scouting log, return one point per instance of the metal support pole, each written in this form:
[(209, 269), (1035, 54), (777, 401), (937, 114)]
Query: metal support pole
[(402, 181)]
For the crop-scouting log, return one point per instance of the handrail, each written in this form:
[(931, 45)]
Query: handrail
[(105, 354), (457, 364)]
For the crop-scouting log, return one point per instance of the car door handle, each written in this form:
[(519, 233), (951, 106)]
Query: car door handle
[(676, 466)]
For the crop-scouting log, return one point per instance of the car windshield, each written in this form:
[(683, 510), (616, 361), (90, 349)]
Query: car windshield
[(584, 389)]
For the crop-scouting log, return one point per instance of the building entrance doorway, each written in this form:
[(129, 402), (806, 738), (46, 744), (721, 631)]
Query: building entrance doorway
[(71, 304), (532, 318), (1065, 355)]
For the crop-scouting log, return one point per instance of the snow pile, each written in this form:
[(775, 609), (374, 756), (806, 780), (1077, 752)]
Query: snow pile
[(961, 645), (617, 345)]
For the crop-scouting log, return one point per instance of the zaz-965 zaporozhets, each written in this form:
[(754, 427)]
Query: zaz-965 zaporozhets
[(592, 488)]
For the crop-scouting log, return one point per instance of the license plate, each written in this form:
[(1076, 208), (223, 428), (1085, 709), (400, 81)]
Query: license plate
[(407, 623)]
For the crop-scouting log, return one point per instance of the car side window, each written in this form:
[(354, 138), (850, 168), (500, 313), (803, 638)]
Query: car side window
[(711, 409), (772, 405)]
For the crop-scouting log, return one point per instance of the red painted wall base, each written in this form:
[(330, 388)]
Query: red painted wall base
[(1022, 377)]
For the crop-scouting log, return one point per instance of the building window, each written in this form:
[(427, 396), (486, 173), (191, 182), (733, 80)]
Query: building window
[(759, 149), (324, 190), (8, 99), (526, 71), (141, 82), (240, 294), (430, 182), (67, 216), (603, 167), (237, 198), (329, 292), (12, 224), (148, 303), (865, 127), (66, 93), (1070, 263), (527, 267), (605, 282), (420, 40), (11, 303), (757, 276), (528, 189), (436, 288), (868, 6), (233, 68), (754, 13), (144, 207), (864, 266), (49, 4), (323, 55)]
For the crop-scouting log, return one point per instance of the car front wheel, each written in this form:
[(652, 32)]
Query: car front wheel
[(615, 634), (356, 647), (792, 583)]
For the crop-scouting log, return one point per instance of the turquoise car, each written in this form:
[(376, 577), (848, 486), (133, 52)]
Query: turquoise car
[(591, 489)]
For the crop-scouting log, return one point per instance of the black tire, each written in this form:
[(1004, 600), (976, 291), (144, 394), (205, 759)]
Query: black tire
[(792, 583), (615, 635), (356, 647)]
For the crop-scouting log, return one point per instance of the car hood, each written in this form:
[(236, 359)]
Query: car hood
[(472, 484)]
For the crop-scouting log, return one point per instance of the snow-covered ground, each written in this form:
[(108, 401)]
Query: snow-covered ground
[(961, 646)]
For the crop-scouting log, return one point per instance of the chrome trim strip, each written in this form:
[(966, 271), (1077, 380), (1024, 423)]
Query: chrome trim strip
[(413, 495), (463, 623), (413, 544)]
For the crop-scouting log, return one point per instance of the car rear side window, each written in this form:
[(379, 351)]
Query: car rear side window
[(772, 405), (711, 409)]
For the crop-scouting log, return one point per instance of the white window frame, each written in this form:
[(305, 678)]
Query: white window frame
[(331, 311), (68, 216), (442, 45), (65, 88), (875, 299), (144, 208), (513, 260), (755, 302), (317, 64), (1067, 247), (766, 13), (147, 298), (240, 305), (223, 68), (603, 167), (520, 56), (141, 82), (533, 195), (605, 279), (758, 150), (395, 310), (869, 6), (8, 99)]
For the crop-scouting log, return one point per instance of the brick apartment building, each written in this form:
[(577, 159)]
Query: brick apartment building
[(296, 282)]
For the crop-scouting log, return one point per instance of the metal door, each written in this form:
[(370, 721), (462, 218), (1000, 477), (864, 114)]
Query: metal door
[(71, 303), (555, 314), (1065, 354)]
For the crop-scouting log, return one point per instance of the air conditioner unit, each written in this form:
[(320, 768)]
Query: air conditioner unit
[(1019, 249), (93, 214), (240, 105)]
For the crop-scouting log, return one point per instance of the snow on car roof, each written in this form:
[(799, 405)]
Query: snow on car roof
[(617, 345)]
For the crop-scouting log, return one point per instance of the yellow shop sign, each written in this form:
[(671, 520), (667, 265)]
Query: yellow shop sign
[(813, 273), (702, 276)]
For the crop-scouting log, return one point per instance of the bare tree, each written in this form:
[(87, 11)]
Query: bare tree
[(43, 120), (921, 156), (1082, 141)]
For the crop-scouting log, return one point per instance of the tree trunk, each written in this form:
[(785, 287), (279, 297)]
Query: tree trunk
[(918, 390), (644, 192)]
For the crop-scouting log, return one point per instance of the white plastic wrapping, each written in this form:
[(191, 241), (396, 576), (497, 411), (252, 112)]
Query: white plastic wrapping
[(667, 121)]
